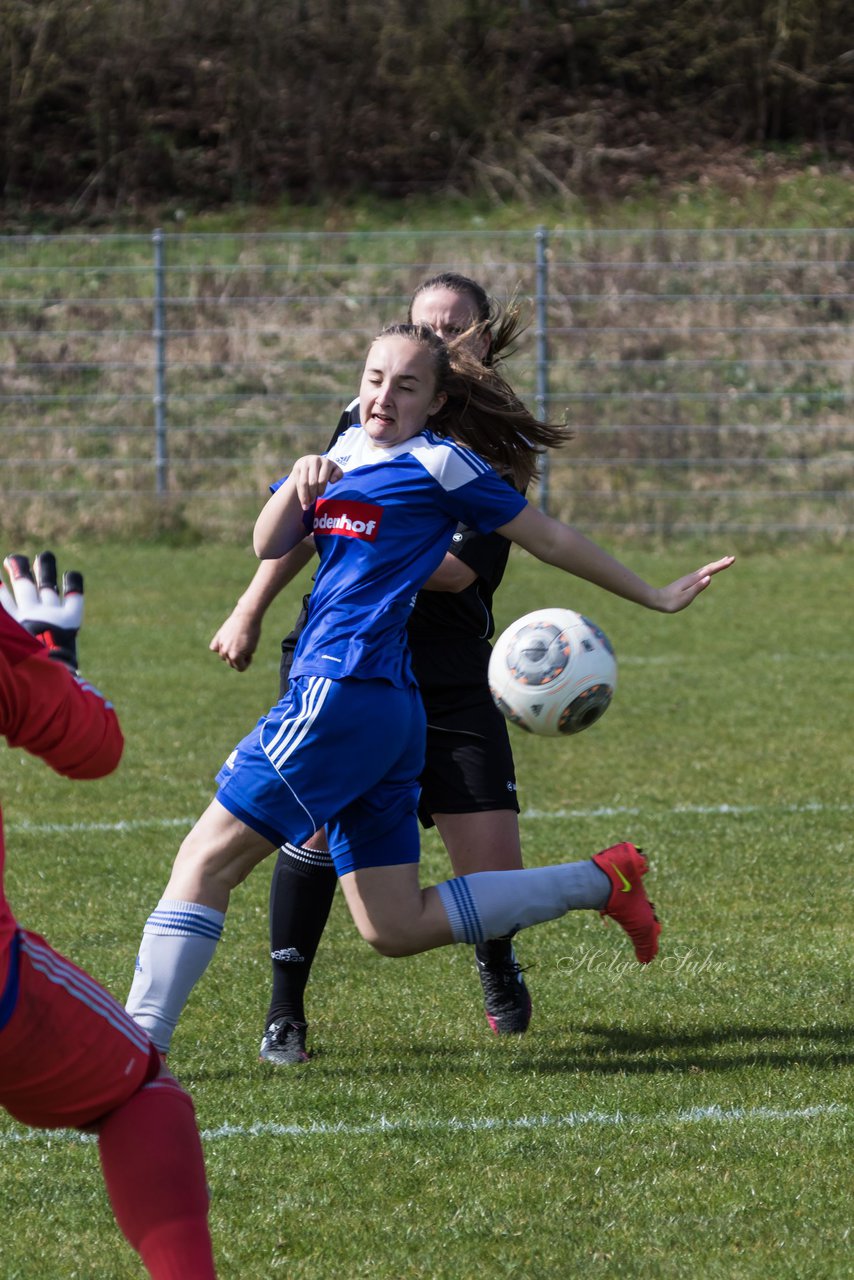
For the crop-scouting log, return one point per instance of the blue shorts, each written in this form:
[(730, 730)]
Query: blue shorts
[(344, 754)]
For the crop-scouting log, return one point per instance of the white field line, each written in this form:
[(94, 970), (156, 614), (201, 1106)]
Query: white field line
[(487, 1124), (666, 659), (603, 811), (68, 828), (479, 1124), (729, 810)]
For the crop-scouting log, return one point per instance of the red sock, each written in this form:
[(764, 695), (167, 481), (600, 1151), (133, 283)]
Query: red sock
[(151, 1154)]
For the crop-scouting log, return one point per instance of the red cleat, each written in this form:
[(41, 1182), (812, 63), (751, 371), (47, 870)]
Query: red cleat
[(628, 904)]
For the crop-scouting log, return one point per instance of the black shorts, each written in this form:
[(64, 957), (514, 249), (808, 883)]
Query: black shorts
[(469, 764)]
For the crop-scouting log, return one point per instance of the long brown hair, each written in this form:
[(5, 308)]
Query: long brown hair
[(482, 411)]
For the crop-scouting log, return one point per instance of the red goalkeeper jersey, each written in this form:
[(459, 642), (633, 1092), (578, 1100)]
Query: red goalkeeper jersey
[(52, 714)]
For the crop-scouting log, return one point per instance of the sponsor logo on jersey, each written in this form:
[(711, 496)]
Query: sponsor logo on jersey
[(348, 519)]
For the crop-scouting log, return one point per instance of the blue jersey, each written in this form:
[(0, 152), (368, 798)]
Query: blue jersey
[(380, 532)]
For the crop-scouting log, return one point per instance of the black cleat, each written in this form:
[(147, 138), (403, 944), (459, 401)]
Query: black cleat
[(283, 1043), (507, 1001)]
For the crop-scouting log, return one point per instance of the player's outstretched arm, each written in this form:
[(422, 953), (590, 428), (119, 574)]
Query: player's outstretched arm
[(237, 638), (561, 545), (679, 594)]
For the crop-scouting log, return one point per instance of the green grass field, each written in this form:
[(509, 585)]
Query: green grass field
[(692, 1119)]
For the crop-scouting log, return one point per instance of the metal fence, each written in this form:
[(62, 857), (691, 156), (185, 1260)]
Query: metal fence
[(163, 380)]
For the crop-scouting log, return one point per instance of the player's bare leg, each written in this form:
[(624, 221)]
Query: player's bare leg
[(216, 856), (181, 934), (481, 841), (393, 913)]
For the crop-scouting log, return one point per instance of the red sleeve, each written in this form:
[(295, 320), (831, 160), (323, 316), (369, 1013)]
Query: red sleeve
[(51, 713)]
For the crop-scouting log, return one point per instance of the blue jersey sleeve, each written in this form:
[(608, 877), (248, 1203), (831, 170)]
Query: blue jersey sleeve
[(473, 491), (487, 502)]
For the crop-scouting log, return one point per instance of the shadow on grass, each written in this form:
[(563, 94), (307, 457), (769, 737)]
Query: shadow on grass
[(590, 1048), (717, 1048)]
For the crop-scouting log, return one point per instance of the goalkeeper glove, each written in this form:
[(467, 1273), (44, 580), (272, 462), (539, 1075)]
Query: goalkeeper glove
[(37, 605)]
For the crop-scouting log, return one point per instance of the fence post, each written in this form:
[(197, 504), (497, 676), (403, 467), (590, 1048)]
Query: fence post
[(161, 456), (541, 299)]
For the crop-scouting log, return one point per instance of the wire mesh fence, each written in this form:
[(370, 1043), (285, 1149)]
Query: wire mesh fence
[(161, 382)]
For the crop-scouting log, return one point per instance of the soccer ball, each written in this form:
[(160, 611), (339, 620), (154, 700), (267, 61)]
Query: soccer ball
[(553, 672)]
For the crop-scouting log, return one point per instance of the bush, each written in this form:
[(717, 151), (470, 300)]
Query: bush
[(113, 104)]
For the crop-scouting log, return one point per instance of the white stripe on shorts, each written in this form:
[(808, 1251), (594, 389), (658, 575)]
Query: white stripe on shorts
[(291, 732), (79, 985)]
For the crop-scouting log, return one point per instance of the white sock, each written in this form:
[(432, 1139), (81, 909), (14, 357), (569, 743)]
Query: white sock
[(177, 945), (496, 904)]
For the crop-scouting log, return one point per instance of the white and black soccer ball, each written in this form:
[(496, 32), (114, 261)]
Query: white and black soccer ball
[(553, 672)]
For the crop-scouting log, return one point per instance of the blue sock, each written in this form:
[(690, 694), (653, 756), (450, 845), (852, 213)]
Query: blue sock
[(495, 904)]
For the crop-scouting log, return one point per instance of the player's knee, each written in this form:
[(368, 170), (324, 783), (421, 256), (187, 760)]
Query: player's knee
[(207, 862), (392, 947), (394, 944), (386, 939)]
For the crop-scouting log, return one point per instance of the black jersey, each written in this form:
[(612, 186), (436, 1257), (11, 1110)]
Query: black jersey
[(448, 631)]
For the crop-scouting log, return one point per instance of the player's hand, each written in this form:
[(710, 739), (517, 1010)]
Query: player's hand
[(679, 594), (311, 475), (236, 640), (38, 606)]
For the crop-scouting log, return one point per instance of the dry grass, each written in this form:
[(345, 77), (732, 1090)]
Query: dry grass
[(708, 375)]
